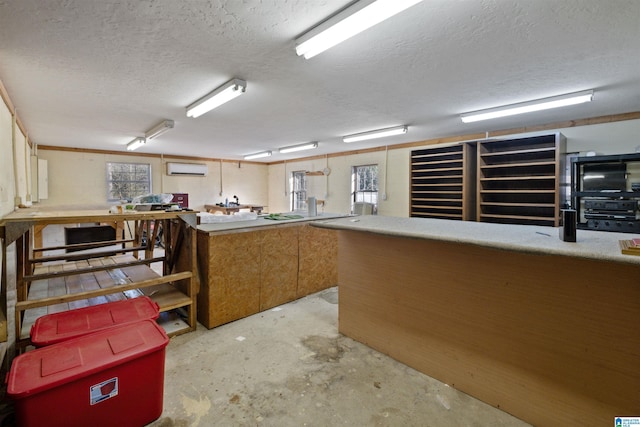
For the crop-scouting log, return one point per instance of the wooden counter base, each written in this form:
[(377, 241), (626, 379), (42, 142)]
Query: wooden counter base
[(553, 340), (251, 270)]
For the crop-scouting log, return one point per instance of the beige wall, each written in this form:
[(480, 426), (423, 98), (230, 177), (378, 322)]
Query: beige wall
[(85, 183), (15, 165), (335, 188), (7, 186)]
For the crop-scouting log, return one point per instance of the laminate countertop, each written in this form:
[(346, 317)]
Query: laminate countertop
[(260, 222), (600, 245)]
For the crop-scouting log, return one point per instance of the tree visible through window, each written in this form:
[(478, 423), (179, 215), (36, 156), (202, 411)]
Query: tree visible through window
[(298, 190), (364, 185), (127, 180)]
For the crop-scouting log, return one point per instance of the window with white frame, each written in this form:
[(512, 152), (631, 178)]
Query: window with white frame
[(127, 180), (298, 190), (364, 187)]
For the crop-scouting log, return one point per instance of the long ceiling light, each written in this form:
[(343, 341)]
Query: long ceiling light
[(225, 93), (347, 23), (159, 129), (136, 143), (529, 106), (299, 147), (380, 133), (257, 155)]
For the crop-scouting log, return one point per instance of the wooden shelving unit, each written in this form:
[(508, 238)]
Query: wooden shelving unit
[(519, 180), (443, 182), (51, 283)]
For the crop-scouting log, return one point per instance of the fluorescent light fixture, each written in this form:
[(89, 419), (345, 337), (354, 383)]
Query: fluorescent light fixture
[(231, 89), (299, 147), (257, 155), (159, 129), (527, 107), (136, 143), (380, 133), (348, 23)]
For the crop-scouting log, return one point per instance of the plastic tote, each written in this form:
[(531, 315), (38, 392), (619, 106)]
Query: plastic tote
[(114, 377), (57, 327)]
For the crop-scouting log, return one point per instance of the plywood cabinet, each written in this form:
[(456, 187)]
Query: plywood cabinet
[(519, 180), (443, 182), (250, 270)]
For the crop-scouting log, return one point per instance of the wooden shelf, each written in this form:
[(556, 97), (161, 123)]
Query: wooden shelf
[(517, 191), (519, 180), (438, 215), (443, 171), (47, 284), (508, 204), (516, 152), (519, 217), (511, 166)]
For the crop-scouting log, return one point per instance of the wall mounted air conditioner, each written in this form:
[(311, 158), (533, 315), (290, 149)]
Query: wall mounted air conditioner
[(190, 169)]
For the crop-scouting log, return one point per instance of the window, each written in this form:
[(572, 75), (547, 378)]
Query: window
[(364, 186), (298, 190), (127, 180)]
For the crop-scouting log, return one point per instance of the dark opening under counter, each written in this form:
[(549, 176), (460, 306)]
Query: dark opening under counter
[(543, 329), (251, 266)]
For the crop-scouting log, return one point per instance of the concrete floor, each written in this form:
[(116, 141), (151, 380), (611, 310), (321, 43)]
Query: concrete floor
[(289, 366)]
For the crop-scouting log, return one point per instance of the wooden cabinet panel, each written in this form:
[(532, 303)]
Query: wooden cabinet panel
[(318, 260), (233, 278), (279, 266)]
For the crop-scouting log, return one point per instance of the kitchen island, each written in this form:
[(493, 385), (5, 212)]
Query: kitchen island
[(544, 329), (253, 265)]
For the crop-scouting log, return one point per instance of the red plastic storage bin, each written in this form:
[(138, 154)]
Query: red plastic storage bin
[(57, 327), (114, 377)]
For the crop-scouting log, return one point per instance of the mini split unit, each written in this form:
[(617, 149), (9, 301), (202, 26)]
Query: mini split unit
[(191, 169)]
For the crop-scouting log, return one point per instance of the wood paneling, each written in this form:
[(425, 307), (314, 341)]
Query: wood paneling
[(279, 266), (318, 260), (553, 340), (232, 288)]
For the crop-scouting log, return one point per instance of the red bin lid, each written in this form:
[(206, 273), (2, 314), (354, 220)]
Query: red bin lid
[(56, 327), (49, 367)]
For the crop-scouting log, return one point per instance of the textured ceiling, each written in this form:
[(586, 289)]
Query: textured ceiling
[(97, 73)]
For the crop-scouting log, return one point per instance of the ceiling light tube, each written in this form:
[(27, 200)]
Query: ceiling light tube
[(529, 106), (299, 147), (228, 91), (380, 133), (159, 129), (257, 155), (135, 144), (347, 23)]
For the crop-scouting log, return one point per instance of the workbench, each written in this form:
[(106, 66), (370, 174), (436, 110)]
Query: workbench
[(51, 283), (232, 208)]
